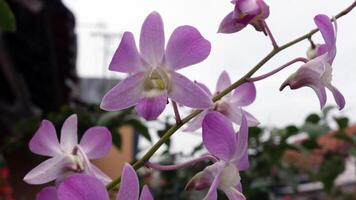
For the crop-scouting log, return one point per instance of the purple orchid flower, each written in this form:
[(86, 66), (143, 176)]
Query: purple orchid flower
[(68, 157), (231, 150), (317, 73), (84, 187), (246, 12), (229, 105), (152, 76)]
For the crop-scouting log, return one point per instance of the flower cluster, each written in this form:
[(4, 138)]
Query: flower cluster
[(152, 81)]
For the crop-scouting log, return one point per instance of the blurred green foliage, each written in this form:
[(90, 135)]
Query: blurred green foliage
[(7, 18)]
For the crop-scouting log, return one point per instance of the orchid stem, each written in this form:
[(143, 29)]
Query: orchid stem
[(176, 112), (258, 78), (179, 166), (141, 162), (270, 35)]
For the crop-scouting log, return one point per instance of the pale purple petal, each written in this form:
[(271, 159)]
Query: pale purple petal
[(204, 87), (146, 194), (242, 139), (327, 30), (212, 192), (223, 82), (230, 25), (47, 171), (45, 141), (233, 193), (320, 92), (152, 39), (100, 175), (244, 95), (150, 107), (250, 7), (47, 193), (243, 163), (129, 187), (96, 142), (185, 47), (196, 122), (182, 88), (82, 187), (125, 94), (321, 49), (69, 135), (219, 136), (339, 98), (126, 58), (205, 178), (234, 113)]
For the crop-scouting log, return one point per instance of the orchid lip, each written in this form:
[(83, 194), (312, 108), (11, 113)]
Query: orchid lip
[(156, 79)]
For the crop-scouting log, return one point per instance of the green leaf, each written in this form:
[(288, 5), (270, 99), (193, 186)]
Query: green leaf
[(7, 18), (313, 118), (314, 130), (330, 169), (353, 152), (327, 110), (140, 128), (342, 122)]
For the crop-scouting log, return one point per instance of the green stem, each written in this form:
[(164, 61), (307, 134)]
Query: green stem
[(140, 163)]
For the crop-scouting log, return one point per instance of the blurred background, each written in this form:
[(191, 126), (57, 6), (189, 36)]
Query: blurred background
[(54, 62)]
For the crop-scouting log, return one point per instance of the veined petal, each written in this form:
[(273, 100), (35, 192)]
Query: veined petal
[(125, 94), (339, 98), (96, 142), (212, 192), (243, 163), (204, 87), (152, 39), (150, 107), (196, 123), (244, 95), (100, 175), (146, 194), (233, 193), (182, 87), (320, 92), (47, 171), (47, 193), (219, 136), (126, 58), (230, 25), (69, 135), (185, 47), (82, 187), (327, 31), (129, 187), (234, 113), (242, 139), (45, 141), (223, 82), (250, 7)]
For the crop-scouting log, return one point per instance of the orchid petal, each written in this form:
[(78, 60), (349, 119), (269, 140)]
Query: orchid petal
[(230, 25), (320, 92), (96, 142), (250, 7), (219, 136), (126, 58), (45, 141), (125, 94), (185, 47), (223, 82), (233, 193), (150, 107), (100, 175), (82, 187), (47, 193), (129, 188), (69, 135), (146, 194), (212, 192), (152, 39), (339, 98), (234, 113), (244, 95), (327, 31), (243, 163), (47, 171), (182, 88), (242, 139), (204, 87), (196, 122)]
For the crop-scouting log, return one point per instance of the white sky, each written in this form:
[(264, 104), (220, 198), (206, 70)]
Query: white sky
[(235, 53)]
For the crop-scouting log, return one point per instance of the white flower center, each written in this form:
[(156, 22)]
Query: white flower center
[(230, 176), (156, 80), (327, 75)]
